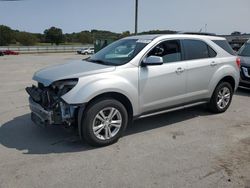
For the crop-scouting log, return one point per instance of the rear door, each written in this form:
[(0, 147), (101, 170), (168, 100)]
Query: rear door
[(201, 65)]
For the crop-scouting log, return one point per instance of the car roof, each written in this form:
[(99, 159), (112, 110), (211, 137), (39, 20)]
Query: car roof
[(152, 37)]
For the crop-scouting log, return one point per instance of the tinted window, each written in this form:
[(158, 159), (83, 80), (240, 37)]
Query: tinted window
[(224, 45), (245, 50), (196, 49), (211, 52), (170, 51)]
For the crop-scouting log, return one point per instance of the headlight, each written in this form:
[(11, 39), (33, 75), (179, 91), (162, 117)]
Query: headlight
[(61, 87)]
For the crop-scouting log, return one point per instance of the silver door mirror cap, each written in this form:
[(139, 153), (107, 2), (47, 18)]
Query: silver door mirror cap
[(152, 60)]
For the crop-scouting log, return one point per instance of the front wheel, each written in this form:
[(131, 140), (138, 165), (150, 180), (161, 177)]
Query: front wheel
[(104, 122), (221, 98)]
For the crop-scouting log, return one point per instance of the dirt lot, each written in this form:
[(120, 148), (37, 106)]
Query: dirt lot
[(189, 148)]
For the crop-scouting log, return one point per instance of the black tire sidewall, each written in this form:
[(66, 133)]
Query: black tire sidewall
[(213, 103), (89, 115)]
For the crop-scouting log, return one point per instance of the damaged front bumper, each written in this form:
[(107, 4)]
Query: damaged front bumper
[(49, 109), (39, 115)]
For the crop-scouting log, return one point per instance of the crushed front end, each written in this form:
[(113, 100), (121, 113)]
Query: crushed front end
[(46, 105)]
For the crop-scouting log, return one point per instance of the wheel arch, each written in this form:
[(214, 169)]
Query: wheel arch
[(226, 73), (230, 80), (107, 95), (117, 96)]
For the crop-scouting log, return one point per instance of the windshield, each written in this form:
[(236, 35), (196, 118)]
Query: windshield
[(245, 50), (119, 52)]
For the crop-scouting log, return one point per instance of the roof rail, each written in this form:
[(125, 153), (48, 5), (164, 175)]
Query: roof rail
[(197, 33)]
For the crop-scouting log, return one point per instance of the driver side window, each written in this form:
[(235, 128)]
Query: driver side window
[(169, 50)]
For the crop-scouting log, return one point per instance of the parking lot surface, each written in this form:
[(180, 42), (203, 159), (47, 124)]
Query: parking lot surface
[(188, 148)]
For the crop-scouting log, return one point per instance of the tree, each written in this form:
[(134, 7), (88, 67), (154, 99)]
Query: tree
[(54, 35), (25, 38), (6, 35), (85, 37), (236, 33), (125, 34)]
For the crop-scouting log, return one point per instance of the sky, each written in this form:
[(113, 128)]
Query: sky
[(216, 16)]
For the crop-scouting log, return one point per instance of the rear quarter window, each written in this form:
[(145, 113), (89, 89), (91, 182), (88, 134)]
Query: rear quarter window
[(224, 45)]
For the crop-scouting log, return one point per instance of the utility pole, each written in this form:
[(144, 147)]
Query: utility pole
[(136, 16)]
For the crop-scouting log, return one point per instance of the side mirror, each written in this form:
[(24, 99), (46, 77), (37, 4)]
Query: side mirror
[(152, 60)]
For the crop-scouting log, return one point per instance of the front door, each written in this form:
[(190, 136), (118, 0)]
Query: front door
[(163, 86)]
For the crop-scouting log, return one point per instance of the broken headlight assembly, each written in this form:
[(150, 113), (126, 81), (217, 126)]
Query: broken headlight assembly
[(61, 87), (49, 98)]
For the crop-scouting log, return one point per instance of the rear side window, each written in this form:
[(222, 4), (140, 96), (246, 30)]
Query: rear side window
[(196, 49), (211, 52), (224, 45)]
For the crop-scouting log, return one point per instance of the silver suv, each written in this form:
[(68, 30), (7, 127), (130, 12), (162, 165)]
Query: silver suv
[(132, 78)]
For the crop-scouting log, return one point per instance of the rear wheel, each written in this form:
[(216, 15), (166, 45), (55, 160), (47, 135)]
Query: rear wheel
[(104, 122), (221, 98)]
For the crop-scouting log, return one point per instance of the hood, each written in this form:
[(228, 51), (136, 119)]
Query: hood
[(245, 61), (70, 70)]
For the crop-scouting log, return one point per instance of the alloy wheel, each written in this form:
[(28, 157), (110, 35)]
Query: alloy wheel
[(107, 123), (223, 98)]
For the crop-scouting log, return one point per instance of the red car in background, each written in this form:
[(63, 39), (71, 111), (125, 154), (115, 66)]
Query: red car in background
[(10, 52)]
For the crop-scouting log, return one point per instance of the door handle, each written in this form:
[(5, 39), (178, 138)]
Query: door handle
[(213, 63), (179, 70)]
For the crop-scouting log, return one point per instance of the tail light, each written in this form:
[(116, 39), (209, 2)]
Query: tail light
[(238, 62)]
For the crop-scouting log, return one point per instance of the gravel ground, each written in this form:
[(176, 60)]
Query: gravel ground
[(188, 148)]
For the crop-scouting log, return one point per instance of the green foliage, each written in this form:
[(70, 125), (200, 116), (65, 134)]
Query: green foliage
[(125, 34), (40, 37), (158, 32), (236, 33), (26, 39), (85, 37), (105, 34), (6, 35), (54, 35)]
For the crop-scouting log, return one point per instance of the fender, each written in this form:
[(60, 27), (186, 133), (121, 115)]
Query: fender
[(222, 72), (90, 87)]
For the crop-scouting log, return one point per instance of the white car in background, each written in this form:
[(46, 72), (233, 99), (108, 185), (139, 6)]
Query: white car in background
[(86, 51)]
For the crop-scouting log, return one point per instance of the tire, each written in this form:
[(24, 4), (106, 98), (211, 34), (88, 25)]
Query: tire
[(221, 98), (96, 117)]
